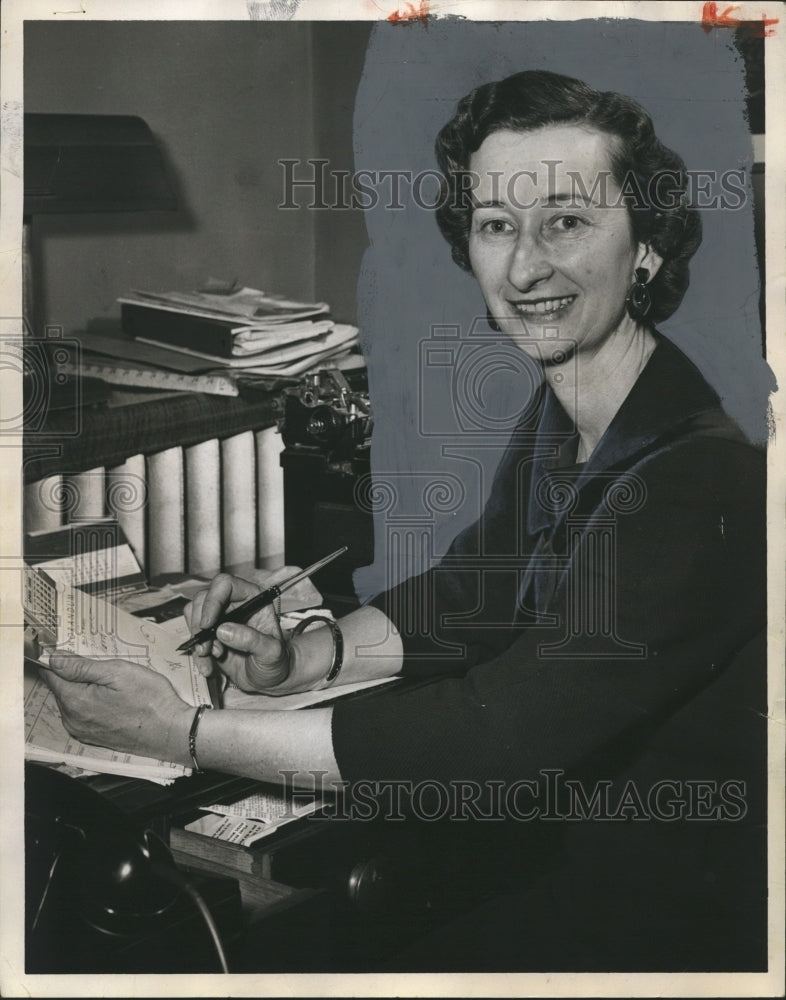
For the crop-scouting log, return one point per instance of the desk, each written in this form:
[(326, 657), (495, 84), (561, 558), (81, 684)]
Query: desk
[(336, 896), (302, 916)]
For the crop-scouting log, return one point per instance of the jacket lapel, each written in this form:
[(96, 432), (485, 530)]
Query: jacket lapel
[(668, 394)]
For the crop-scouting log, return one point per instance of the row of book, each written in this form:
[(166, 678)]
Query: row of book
[(209, 340)]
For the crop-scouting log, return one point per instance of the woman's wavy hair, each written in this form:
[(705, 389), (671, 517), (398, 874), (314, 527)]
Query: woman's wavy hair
[(639, 162)]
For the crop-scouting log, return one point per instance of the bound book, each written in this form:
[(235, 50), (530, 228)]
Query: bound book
[(211, 335), (222, 325)]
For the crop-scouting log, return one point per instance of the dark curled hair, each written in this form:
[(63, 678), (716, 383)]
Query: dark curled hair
[(659, 213)]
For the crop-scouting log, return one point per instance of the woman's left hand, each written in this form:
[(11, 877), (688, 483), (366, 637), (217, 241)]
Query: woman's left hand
[(121, 705)]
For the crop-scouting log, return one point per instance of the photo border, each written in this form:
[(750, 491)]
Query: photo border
[(717, 17)]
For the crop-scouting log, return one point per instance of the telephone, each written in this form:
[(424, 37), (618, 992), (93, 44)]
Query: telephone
[(95, 886)]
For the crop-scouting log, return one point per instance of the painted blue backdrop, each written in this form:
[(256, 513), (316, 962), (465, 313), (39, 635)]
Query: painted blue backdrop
[(438, 431)]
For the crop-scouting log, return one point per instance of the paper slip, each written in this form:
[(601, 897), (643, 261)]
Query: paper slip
[(308, 364), (249, 819), (235, 698), (275, 336), (266, 807), (232, 830), (96, 566), (280, 353)]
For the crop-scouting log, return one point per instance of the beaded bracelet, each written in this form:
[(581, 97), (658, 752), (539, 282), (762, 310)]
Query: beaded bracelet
[(338, 647), (192, 737)]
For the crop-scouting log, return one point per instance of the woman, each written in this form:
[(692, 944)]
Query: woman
[(617, 568)]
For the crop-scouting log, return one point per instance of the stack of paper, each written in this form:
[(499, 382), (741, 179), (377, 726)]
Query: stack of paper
[(91, 627), (239, 328), (79, 622)]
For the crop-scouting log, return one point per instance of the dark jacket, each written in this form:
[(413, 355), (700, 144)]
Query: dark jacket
[(583, 629)]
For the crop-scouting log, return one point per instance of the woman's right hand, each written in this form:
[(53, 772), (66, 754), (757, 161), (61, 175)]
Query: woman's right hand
[(255, 656)]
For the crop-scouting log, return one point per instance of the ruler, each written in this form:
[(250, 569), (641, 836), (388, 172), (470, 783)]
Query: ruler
[(151, 378)]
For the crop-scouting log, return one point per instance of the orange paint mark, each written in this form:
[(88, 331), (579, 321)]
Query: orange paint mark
[(408, 12), (710, 18)]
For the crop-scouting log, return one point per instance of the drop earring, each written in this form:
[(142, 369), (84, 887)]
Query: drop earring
[(492, 322), (639, 300)]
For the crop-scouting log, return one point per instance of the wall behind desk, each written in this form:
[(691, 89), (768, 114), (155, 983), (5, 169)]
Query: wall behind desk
[(225, 101)]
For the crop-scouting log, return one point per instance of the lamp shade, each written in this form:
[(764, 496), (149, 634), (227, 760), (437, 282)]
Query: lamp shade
[(93, 163)]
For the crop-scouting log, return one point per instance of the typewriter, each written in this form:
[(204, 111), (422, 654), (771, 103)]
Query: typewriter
[(326, 427)]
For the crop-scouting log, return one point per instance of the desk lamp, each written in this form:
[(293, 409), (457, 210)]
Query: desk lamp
[(78, 164)]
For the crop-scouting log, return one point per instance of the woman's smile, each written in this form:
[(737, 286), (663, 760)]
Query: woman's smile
[(544, 310)]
